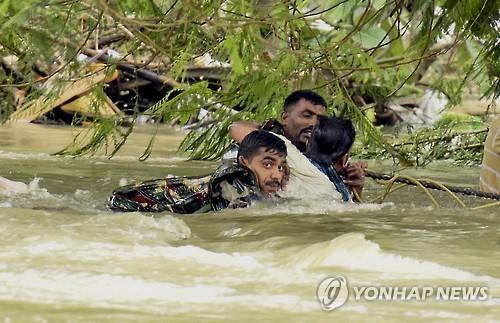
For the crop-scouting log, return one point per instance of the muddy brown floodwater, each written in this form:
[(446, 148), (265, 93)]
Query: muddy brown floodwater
[(64, 257)]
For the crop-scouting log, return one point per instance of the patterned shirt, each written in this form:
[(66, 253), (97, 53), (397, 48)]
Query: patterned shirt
[(230, 186)]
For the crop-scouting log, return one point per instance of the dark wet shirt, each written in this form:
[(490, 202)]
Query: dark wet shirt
[(230, 186)]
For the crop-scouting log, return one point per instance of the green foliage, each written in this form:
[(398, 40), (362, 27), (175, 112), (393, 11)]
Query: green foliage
[(456, 137), (106, 133), (374, 49)]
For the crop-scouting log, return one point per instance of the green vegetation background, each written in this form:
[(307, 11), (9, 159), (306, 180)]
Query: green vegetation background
[(357, 54)]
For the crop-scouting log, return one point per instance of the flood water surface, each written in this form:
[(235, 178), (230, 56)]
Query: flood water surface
[(65, 257)]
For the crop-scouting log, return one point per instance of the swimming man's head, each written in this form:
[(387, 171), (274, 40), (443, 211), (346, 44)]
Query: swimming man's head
[(265, 155)]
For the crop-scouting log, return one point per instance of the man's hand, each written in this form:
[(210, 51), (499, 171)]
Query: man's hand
[(354, 176)]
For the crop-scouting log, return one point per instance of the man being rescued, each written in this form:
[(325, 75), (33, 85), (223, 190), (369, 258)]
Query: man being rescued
[(301, 111), (238, 184), (312, 174), (257, 174), (260, 172)]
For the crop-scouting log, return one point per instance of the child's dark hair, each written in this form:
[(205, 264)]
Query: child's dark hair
[(308, 95), (330, 140), (261, 139)]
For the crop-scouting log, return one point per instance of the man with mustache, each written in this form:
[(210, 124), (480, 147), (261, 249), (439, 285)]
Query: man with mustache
[(300, 114), (267, 163), (258, 173)]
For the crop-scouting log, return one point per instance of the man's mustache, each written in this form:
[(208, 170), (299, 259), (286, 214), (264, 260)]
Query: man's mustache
[(274, 184), (308, 129)]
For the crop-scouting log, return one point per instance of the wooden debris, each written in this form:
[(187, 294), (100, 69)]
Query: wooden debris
[(132, 88), (130, 68), (91, 105), (35, 109)]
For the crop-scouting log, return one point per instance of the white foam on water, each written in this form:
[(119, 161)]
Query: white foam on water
[(79, 193), (27, 156), (36, 285), (12, 187), (5, 204), (306, 207), (121, 291), (34, 187), (32, 195), (123, 181), (96, 159), (218, 287), (354, 251), (45, 156), (135, 224), (44, 247), (219, 271), (213, 258), (173, 225), (9, 188), (231, 233), (98, 251)]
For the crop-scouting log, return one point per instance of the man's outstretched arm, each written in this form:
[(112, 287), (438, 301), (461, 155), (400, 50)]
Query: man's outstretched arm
[(239, 130)]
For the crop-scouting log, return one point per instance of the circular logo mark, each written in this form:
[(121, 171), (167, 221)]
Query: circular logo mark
[(332, 292)]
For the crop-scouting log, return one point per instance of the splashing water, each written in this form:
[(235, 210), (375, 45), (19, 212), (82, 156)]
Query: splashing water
[(65, 257)]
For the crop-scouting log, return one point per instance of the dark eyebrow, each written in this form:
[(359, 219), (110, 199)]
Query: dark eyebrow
[(270, 158), (309, 111)]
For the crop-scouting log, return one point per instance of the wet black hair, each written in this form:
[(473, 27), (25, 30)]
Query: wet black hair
[(255, 140), (308, 95), (331, 139)]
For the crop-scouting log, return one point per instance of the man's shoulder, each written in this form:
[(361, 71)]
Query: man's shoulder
[(232, 186), (229, 168), (274, 126)]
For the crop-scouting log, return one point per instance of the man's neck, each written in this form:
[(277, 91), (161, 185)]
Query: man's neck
[(300, 146)]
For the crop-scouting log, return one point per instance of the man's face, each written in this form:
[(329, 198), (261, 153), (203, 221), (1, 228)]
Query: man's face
[(299, 120), (268, 167)]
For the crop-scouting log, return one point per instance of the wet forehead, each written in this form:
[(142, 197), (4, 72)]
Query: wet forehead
[(271, 155), (306, 105)]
